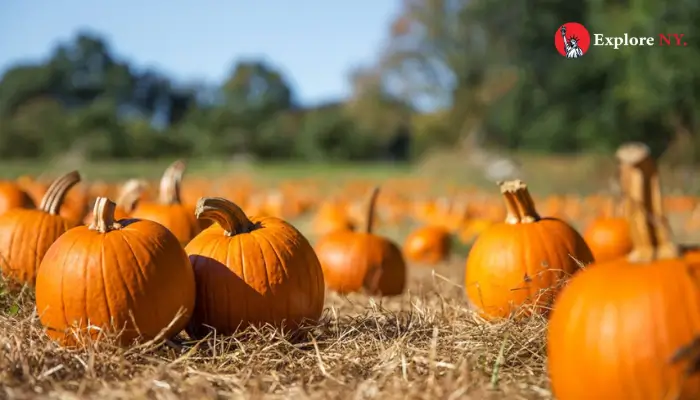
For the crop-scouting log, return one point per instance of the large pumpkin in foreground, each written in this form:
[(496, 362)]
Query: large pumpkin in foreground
[(130, 277), (620, 328), (520, 264), (251, 271)]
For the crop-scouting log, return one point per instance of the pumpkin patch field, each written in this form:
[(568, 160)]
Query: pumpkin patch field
[(571, 279)]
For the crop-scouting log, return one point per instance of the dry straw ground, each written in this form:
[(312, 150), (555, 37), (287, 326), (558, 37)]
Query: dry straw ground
[(424, 345)]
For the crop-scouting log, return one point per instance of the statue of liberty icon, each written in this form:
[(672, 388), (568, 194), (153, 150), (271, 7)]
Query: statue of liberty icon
[(571, 45), (576, 44)]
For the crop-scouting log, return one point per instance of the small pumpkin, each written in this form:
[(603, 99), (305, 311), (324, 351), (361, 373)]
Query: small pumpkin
[(522, 261), (251, 271), (608, 238), (428, 245), (169, 210), (128, 277), (618, 326), (26, 234), (356, 260), (129, 195), (12, 196)]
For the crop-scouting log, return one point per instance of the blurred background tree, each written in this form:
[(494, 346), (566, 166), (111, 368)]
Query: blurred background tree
[(487, 72)]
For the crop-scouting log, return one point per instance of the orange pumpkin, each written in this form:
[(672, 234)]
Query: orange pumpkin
[(617, 329), (129, 277), (251, 272), (129, 196), (519, 264), (608, 238), (332, 216), (428, 245), (26, 234), (352, 261), (12, 196), (169, 210)]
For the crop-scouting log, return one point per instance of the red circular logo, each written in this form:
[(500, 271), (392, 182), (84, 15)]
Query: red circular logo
[(572, 40)]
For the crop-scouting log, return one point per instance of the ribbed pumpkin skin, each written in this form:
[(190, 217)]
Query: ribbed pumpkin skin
[(511, 265), (609, 239), (269, 275), (615, 328), (103, 277), (25, 237)]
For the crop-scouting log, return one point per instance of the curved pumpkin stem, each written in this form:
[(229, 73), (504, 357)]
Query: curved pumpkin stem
[(56, 193), (520, 208), (371, 205), (130, 194), (170, 183), (103, 216), (225, 213), (643, 204)]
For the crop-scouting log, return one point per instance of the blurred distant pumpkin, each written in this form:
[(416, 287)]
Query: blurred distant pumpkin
[(129, 196), (352, 261), (26, 234), (251, 271), (428, 245), (12, 196), (332, 216), (522, 261), (608, 238), (129, 277), (169, 210)]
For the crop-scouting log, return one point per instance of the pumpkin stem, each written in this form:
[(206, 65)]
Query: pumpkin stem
[(512, 214), (56, 193), (520, 207), (130, 194), (170, 183), (225, 213), (371, 205), (643, 205), (103, 216)]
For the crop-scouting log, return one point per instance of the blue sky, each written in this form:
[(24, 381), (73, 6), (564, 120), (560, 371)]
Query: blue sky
[(315, 42)]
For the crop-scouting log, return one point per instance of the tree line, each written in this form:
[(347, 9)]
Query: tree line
[(491, 73)]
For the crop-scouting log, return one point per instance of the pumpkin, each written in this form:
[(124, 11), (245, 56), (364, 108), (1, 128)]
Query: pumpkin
[(26, 234), (129, 277), (169, 210), (129, 196), (617, 327), (251, 271), (12, 196), (428, 245), (356, 260), (332, 216), (518, 265), (608, 238)]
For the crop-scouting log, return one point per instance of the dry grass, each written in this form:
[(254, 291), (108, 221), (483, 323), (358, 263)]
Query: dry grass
[(425, 344)]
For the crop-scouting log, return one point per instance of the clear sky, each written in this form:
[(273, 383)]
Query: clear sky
[(315, 42)]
